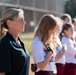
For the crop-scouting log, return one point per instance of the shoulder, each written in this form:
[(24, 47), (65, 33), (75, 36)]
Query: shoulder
[(37, 43), (4, 42), (64, 38)]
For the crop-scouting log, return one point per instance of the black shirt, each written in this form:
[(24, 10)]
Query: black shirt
[(14, 58)]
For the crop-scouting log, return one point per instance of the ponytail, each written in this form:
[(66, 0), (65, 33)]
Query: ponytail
[(64, 27), (61, 35), (3, 30)]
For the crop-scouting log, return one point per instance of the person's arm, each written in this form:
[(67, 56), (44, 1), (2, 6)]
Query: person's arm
[(59, 55), (43, 64), (38, 55), (2, 73)]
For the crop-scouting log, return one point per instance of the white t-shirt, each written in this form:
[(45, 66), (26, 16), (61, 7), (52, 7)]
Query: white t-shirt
[(58, 50), (39, 53), (71, 50)]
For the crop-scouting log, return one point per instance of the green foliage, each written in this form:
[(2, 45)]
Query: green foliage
[(70, 7), (27, 39)]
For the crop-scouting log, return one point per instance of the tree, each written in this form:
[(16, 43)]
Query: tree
[(70, 7)]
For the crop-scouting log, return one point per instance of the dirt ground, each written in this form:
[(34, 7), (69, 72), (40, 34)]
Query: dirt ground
[(30, 72)]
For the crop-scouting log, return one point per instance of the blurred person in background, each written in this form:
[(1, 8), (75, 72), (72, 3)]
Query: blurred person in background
[(66, 18), (70, 54), (74, 23), (60, 50), (14, 58)]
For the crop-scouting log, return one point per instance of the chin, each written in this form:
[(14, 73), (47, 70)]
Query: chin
[(23, 30)]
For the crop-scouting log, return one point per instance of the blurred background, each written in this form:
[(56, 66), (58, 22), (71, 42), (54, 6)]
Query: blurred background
[(33, 10)]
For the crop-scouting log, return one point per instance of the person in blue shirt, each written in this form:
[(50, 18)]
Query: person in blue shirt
[(14, 58)]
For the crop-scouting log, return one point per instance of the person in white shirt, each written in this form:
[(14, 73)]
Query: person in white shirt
[(74, 23), (60, 64), (60, 49), (70, 54), (44, 58)]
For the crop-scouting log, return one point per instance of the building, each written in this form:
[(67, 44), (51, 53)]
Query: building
[(34, 9)]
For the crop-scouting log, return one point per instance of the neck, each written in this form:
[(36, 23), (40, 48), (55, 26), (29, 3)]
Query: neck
[(14, 34), (67, 36)]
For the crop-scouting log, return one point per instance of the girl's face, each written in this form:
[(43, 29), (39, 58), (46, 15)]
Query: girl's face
[(58, 30), (67, 20), (75, 26), (69, 32)]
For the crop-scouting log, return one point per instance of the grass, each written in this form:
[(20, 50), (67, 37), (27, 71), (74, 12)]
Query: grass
[(27, 39)]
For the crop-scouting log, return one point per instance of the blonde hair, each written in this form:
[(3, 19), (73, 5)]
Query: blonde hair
[(46, 23), (9, 14)]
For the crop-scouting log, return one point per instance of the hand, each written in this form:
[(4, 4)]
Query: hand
[(64, 47), (75, 55), (50, 53)]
